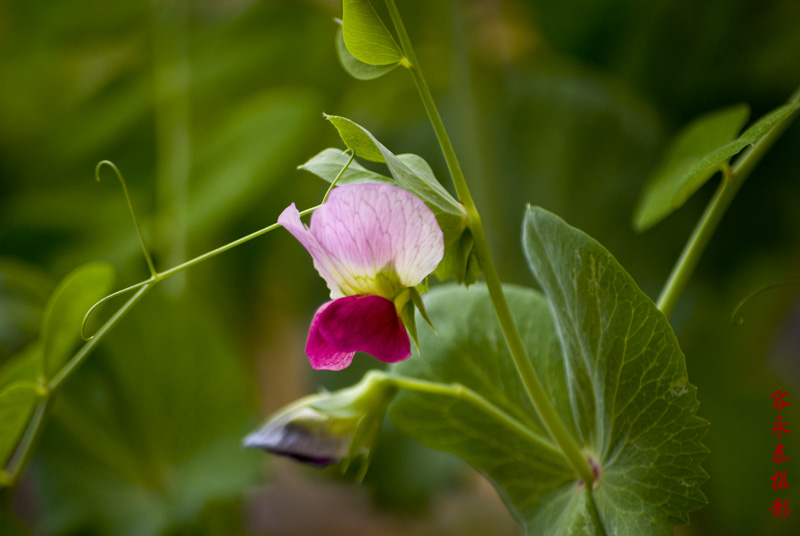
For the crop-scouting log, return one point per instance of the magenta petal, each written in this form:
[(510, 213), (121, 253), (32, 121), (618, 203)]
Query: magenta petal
[(342, 327), (323, 356)]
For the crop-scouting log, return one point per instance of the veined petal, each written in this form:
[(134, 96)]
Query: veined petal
[(342, 327), (370, 239), (290, 220), (369, 227)]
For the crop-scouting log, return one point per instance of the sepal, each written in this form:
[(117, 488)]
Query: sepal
[(404, 304)]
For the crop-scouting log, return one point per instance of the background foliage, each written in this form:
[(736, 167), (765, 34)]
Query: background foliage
[(208, 107)]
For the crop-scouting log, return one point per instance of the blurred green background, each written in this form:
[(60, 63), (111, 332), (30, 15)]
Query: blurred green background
[(208, 106)]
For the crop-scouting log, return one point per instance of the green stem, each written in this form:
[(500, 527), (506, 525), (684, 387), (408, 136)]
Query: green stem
[(87, 348), (430, 107), (732, 180), (523, 364), (256, 234), (222, 249), (593, 513), (24, 451), (160, 276), (456, 390)]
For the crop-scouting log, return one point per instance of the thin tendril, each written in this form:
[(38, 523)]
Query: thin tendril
[(739, 320), (339, 176), (110, 164), (156, 277), (96, 305)]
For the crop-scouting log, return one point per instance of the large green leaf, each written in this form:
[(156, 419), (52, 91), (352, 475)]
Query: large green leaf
[(81, 289), (366, 36), (612, 368), (629, 393), (701, 149), (493, 425)]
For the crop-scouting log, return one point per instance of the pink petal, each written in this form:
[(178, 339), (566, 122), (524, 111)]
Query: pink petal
[(290, 220), (368, 229), (342, 327)]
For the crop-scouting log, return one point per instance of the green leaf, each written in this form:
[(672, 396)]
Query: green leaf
[(492, 424), (356, 68), (60, 332), (611, 366), (365, 35), (18, 398), (22, 367), (678, 176), (413, 174), (761, 127), (144, 437), (629, 394), (82, 288), (418, 180), (17, 401), (358, 139), (701, 149), (327, 165)]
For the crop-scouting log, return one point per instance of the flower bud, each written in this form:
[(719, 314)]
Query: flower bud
[(329, 428)]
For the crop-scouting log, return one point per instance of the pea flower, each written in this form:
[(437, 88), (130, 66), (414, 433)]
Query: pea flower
[(370, 243)]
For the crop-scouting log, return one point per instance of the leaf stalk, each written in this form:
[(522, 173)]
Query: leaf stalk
[(733, 178)]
